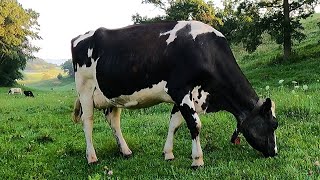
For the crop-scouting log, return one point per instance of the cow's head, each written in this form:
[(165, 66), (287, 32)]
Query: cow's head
[(259, 128)]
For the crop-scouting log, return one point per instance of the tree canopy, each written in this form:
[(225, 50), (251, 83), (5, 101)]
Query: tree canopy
[(68, 68), (182, 10), (245, 21), (18, 26)]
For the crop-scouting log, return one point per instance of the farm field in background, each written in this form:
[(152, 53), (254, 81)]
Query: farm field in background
[(39, 140), (40, 75)]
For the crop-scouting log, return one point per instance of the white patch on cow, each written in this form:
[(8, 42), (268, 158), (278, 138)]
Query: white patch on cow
[(273, 109), (175, 122), (90, 53), (197, 154), (82, 37), (275, 143), (199, 102), (144, 97), (197, 28), (186, 100)]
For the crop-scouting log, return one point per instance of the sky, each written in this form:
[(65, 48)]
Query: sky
[(62, 20)]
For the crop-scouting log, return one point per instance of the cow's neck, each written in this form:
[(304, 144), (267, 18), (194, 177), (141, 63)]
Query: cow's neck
[(237, 97)]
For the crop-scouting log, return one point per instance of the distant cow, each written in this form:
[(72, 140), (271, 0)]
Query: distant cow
[(186, 63), (28, 93), (15, 91)]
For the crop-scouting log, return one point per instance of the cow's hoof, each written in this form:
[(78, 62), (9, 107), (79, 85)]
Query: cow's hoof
[(93, 163), (92, 159), (126, 156), (196, 167), (197, 162), (168, 156)]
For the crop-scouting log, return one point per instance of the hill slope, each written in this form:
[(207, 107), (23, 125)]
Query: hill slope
[(39, 70)]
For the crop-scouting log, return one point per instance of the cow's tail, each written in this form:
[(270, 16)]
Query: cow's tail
[(77, 111)]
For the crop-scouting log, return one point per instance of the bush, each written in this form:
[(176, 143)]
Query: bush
[(59, 76)]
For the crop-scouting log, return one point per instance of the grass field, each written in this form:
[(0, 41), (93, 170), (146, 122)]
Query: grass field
[(39, 140)]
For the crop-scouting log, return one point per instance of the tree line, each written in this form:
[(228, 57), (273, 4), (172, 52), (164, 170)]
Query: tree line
[(241, 21)]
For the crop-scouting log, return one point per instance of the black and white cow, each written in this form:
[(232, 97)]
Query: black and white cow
[(28, 93), (15, 91), (186, 63)]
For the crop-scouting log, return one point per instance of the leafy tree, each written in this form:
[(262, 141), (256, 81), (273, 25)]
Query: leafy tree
[(181, 10), (279, 18), (68, 67), (17, 27)]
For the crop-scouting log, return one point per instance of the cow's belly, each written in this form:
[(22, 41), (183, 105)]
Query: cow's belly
[(140, 99)]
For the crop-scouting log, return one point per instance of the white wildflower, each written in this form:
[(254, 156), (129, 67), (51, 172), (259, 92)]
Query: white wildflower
[(110, 173), (305, 87), (267, 88), (296, 87), (281, 81), (294, 82)]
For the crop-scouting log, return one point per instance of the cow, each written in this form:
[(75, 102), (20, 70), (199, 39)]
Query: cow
[(186, 63), (28, 93), (15, 91)]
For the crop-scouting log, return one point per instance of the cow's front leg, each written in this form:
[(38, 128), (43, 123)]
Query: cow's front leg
[(175, 122), (87, 118), (113, 118), (187, 109)]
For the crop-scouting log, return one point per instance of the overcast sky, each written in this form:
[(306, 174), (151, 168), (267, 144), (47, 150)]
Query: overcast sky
[(62, 20)]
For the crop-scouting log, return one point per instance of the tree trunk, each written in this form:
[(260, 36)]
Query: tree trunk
[(286, 31)]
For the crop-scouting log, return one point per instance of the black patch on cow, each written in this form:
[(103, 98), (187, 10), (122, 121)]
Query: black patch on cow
[(128, 62), (174, 110), (199, 93), (80, 52), (206, 103), (187, 113)]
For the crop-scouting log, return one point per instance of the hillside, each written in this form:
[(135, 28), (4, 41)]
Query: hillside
[(38, 65), (38, 70), (265, 66)]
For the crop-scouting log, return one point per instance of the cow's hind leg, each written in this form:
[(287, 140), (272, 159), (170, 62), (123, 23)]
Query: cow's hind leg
[(86, 102), (187, 109), (175, 122), (113, 118)]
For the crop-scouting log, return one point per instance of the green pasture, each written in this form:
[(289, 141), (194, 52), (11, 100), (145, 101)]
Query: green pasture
[(39, 140)]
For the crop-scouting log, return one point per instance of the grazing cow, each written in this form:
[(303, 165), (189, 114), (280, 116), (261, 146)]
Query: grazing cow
[(186, 63), (28, 93), (15, 91)]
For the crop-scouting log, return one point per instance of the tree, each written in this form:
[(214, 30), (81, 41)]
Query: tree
[(68, 68), (280, 19), (17, 27), (181, 10)]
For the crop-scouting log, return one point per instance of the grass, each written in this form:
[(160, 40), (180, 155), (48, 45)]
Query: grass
[(39, 140)]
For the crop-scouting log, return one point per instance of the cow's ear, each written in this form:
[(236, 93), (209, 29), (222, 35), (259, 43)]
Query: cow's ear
[(266, 106)]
